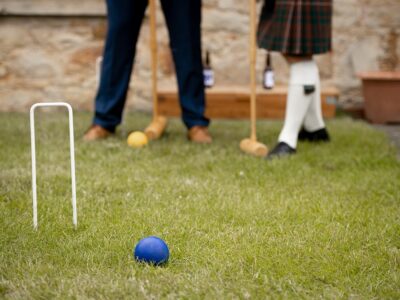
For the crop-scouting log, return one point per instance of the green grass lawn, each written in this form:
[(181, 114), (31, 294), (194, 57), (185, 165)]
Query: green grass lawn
[(322, 224)]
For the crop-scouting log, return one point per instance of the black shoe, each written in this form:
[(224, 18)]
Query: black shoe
[(320, 135), (281, 150)]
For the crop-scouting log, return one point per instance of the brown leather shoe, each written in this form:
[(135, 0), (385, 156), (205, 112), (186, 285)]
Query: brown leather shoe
[(199, 134), (96, 132)]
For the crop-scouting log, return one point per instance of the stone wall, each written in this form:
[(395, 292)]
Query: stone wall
[(48, 49)]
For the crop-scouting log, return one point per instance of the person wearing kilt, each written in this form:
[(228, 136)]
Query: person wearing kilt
[(298, 29)]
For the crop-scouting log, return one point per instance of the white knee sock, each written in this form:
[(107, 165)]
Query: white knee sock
[(297, 104), (313, 120)]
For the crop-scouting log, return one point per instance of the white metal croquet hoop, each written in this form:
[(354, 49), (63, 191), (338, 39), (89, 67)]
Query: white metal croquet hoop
[(72, 154)]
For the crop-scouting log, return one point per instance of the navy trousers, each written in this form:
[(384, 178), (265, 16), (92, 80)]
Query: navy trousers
[(183, 19)]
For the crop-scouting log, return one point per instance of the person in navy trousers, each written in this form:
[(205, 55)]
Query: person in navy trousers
[(183, 19)]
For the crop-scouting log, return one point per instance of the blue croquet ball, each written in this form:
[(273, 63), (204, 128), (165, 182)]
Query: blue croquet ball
[(151, 250)]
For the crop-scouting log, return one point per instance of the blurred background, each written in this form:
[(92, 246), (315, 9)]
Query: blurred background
[(48, 50)]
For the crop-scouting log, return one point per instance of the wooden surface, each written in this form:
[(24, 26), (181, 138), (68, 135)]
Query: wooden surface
[(233, 102), (380, 75)]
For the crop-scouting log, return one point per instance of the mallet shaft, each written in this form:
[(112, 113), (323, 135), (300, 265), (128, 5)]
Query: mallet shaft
[(153, 47), (253, 53)]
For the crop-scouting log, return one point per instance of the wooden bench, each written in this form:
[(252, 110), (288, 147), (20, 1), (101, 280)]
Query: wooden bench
[(233, 102)]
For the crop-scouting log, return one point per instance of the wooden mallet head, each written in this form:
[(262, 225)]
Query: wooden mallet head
[(156, 128), (252, 147)]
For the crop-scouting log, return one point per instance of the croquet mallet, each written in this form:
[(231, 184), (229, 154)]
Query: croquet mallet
[(251, 145), (158, 124)]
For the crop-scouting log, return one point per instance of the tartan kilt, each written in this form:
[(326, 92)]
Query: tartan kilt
[(296, 27)]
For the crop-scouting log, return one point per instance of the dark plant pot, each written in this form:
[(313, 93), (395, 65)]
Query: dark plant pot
[(381, 96)]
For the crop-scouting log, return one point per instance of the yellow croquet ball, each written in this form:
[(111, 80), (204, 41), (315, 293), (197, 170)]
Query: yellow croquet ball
[(137, 139)]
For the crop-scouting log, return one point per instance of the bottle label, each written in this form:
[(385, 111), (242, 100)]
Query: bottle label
[(269, 80), (208, 77)]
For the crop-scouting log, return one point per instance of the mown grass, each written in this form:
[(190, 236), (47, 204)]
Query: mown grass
[(322, 224)]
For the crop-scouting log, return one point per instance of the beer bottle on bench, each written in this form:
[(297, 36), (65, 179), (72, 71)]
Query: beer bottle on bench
[(268, 76), (208, 72)]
